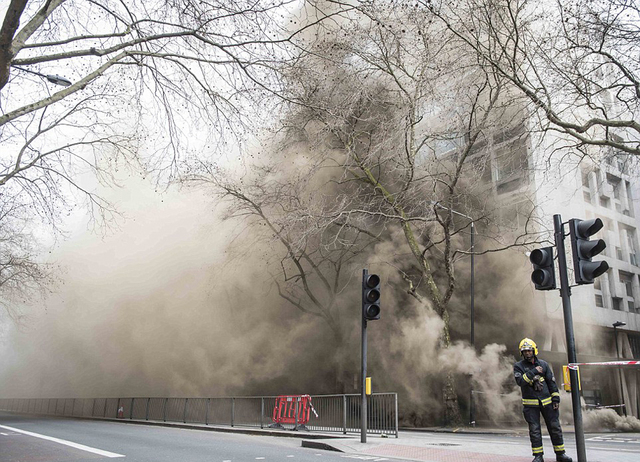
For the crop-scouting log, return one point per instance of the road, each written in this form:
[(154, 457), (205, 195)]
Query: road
[(140, 443), (50, 439)]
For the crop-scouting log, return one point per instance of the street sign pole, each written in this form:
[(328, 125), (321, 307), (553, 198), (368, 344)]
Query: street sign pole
[(565, 293)]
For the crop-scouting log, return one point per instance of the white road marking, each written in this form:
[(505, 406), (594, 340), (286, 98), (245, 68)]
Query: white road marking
[(290, 456), (82, 447), (634, 451), (4, 434), (374, 458), (259, 458)]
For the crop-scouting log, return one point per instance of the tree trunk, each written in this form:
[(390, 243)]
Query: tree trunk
[(452, 415)]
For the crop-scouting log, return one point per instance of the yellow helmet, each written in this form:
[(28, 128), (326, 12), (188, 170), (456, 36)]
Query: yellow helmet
[(528, 344)]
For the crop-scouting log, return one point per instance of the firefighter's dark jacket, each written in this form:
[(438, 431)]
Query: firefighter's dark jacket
[(525, 374)]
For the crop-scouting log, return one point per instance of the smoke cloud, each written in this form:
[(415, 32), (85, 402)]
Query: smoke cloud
[(599, 419)]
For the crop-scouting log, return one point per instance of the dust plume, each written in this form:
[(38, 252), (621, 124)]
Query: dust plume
[(159, 309), (608, 419)]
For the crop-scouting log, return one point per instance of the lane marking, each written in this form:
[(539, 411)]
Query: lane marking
[(633, 451), (82, 447), (4, 434)]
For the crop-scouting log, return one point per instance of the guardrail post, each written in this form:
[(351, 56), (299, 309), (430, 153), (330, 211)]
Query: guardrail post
[(395, 396), (206, 412), (184, 414), (344, 414), (117, 408), (104, 412), (146, 412), (233, 410), (131, 411), (262, 412), (295, 427), (164, 410)]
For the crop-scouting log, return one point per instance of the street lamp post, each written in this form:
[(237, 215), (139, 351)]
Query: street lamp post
[(615, 335), (472, 419), (55, 79)]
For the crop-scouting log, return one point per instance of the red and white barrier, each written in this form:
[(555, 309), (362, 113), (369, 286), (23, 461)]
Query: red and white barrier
[(574, 366)]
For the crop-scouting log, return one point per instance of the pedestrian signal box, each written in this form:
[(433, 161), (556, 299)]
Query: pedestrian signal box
[(567, 380)]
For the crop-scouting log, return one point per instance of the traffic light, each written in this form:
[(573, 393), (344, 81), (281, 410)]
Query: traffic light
[(544, 273), (370, 297), (583, 249)]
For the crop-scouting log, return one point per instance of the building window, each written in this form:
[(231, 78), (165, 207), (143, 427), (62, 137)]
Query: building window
[(599, 302), (619, 255), (587, 196), (632, 246), (596, 284), (511, 160), (617, 303), (604, 202), (634, 343), (632, 307)]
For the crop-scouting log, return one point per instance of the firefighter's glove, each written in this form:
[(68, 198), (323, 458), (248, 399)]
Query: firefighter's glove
[(537, 383)]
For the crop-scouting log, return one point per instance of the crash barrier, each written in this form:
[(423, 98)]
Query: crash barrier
[(332, 413), (292, 409)]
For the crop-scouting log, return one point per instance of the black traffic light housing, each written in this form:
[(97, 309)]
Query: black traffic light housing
[(370, 297), (544, 273), (584, 250)]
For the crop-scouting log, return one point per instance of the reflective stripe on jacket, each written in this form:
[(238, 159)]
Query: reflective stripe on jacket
[(525, 372)]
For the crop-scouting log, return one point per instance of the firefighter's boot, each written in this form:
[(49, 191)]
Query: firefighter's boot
[(563, 458), (538, 458)]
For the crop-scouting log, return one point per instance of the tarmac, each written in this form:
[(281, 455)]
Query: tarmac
[(434, 444)]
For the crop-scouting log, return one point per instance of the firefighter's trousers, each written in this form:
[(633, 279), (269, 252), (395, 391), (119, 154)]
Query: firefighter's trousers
[(552, 419)]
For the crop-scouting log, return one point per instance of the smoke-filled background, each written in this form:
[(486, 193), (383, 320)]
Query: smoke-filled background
[(177, 301), (171, 303)]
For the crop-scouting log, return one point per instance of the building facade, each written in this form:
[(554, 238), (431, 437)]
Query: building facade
[(606, 314)]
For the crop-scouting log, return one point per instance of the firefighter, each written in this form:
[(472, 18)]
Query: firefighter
[(539, 396)]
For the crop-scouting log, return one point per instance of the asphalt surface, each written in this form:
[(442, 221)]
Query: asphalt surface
[(50, 439)]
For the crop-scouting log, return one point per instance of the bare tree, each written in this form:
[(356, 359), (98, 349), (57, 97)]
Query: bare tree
[(390, 124), (310, 262), (574, 60), (87, 88)]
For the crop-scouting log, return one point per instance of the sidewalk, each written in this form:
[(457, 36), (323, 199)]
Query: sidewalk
[(469, 444), (427, 445)]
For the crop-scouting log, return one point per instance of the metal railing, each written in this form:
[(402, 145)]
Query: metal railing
[(336, 413)]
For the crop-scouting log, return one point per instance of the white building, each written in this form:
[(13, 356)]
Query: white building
[(610, 190)]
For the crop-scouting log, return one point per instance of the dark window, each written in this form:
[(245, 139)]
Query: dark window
[(599, 301), (617, 303), (634, 341), (509, 186)]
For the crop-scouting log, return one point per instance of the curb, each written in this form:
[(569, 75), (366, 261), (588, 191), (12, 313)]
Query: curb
[(211, 428), (319, 445)]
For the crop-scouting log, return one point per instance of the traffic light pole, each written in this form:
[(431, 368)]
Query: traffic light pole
[(363, 408), (565, 293)]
